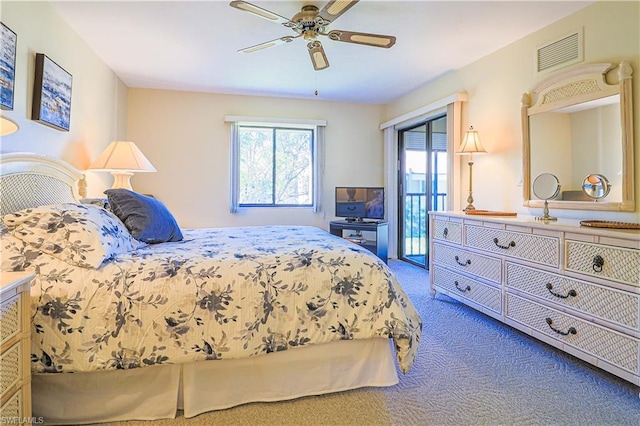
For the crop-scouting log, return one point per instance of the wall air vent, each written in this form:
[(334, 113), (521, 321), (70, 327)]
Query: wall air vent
[(564, 51)]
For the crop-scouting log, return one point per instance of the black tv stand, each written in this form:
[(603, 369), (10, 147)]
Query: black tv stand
[(378, 238)]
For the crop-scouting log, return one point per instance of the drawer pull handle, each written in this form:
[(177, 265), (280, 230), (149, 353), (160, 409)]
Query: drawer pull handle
[(464, 290), (598, 262), (445, 233), (571, 330), (571, 293), (511, 244), (468, 262)]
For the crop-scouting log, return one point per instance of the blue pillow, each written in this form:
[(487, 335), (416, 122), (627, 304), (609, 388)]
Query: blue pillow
[(146, 218)]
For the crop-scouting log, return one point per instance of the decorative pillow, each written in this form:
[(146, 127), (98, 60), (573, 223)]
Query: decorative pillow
[(79, 234), (146, 218)]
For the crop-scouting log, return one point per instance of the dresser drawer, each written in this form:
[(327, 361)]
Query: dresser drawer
[(612, 305), (597, 260), (10, 366), (447, 231), (615, 348), (535, 248), (15, 373), (480, 293), (483, 266), (10, 318)]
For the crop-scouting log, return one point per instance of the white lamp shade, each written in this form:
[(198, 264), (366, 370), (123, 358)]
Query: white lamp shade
[(471, 143), (7, 126), (122, 156)]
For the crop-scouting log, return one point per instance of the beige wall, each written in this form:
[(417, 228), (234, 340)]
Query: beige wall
[(95, 91), (184, 135), (495, 85)]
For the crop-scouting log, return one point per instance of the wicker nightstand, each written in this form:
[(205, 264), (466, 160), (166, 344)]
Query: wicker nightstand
[(15, 348)]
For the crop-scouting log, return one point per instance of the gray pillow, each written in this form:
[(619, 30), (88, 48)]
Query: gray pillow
[(146, 218)]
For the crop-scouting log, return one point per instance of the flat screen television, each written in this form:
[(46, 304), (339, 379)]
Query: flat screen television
[(358, 203)]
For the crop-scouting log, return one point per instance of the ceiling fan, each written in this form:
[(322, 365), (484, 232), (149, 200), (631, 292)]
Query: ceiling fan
[(310, 23)]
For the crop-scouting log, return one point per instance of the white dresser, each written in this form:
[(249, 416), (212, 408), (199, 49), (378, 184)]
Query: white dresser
[(576, 288), (15, 345)]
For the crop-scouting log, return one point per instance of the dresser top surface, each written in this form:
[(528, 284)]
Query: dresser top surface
[(560, 225)]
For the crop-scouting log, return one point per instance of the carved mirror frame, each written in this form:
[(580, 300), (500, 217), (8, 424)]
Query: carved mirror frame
[(577, 85)]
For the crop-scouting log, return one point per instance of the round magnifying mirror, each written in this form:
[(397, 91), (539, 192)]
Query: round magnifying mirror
[(546, 187), (596, 186)]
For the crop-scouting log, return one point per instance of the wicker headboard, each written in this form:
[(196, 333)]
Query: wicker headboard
[(31, 180)]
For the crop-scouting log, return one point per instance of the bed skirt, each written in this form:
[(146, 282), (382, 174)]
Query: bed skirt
[(157, 392)]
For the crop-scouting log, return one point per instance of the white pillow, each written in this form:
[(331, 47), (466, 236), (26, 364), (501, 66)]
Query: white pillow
[(79, 234)]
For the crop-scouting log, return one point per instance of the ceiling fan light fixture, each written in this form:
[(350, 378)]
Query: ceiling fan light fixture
[(310, 23), (307, 13)]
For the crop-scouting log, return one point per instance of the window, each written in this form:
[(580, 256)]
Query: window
[(276, 166), (276, 163)]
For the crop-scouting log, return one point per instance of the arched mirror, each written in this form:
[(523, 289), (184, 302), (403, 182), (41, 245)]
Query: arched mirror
[(579, 123)]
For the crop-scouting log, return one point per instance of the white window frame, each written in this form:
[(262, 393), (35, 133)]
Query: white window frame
[(318, 154)]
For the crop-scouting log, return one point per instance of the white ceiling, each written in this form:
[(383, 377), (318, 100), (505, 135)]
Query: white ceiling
[(192, 45)]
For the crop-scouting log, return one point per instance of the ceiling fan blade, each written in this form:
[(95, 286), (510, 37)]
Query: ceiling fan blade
[(332, 10), (276, 42), (263, 13), (318, 57), (377, 40)]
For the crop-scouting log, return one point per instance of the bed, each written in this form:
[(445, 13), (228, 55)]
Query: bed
[(213, 319)]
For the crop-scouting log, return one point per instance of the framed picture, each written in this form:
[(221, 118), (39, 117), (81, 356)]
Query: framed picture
[(51, 94), (8, 44)]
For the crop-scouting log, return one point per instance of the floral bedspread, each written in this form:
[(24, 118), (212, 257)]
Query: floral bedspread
[(220, 293)]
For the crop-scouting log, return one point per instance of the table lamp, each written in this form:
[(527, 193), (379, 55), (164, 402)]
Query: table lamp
[(7, 126), (471, 145), (122, 159)]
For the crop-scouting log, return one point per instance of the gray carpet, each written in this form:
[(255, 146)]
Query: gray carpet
[(470, 370)]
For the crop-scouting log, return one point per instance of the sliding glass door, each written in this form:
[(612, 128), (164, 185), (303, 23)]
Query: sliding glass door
[(422, 182)]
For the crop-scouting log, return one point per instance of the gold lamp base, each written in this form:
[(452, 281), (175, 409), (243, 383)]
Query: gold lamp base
[(470, 145), (470, 197)]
